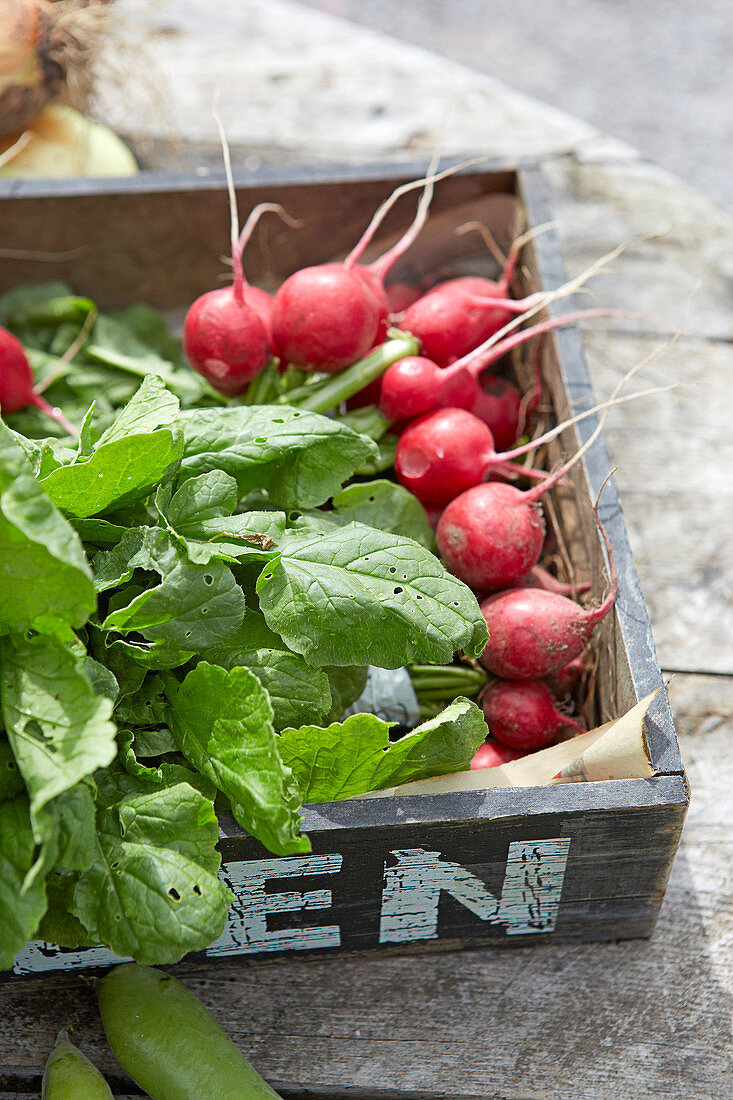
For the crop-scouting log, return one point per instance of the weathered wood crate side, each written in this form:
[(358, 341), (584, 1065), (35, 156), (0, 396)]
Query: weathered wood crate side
[(500, 868), (504, 867), (628, 668)]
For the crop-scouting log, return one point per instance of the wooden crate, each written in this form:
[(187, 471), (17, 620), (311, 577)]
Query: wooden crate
[(585, 861)]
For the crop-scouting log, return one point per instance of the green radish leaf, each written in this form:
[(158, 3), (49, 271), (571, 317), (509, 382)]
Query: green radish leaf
[(300, 458), (59, 729), (384, 458), (208, 496), (355, 596), (194, 608), (388, 507), (356, 756), (116, 344), (22, 896), (69, 820), (40, 553), (298, 692), (52, 312), (24, 297), (148, 706), (99, 532), (346, 685), (199, 516), (58, 925), (151, 407), (85, 445), (152, 889), (150, 327), (11, 781), (117, 472), (223, 723)]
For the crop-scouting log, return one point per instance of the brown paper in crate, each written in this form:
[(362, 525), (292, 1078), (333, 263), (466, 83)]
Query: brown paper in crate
[(616, 750)]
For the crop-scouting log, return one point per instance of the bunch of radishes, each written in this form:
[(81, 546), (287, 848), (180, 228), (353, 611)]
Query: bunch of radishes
[(454, 423)]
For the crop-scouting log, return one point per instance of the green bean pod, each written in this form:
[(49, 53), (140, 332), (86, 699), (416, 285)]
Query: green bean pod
[(69, 1075), (168, 1042)]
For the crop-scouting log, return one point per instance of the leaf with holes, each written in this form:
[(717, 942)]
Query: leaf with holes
[(59, 729), (152, 889), (195, 606), (358, 596)]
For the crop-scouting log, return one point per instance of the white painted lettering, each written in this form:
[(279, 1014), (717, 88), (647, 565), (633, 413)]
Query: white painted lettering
[(246, 931), (530, 897)]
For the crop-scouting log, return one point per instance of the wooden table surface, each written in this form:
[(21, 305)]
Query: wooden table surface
[(634, 1019)]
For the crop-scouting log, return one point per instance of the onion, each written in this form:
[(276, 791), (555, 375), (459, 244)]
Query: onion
[(61, 142), (47, 52), (25, 85)]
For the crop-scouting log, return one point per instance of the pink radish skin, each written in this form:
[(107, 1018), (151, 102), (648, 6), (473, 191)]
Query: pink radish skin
[(538, 577), (400, 296), (446, 452), (16, 383), (523, 714), (225, 340), (405, 388), (499, 405), (534, 633), (491, 536), (450, 320), (261, 303), (227, 332), (326, 317), (564, 679), (492, 754), (442, 454)]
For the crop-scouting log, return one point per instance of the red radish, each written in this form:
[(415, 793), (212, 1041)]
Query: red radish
[(400, 296), (499, 405), (16, 383), (452, 319), (436, 463), (564, 679), (261, 302), (523, 714), (491, 535), (327, 317), (443, 453), (492, 753), (534, 633), (459, 315), (411, 388), (538, 577), (226, 332), (225, 340)]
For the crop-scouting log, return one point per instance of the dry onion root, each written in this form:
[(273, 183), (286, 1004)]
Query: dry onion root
[(47, 52)]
